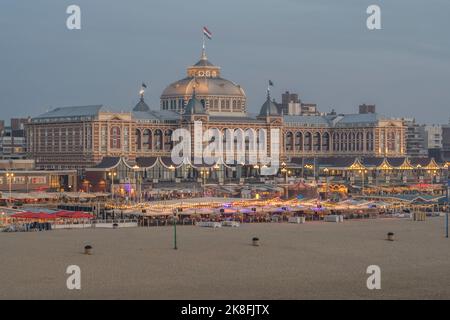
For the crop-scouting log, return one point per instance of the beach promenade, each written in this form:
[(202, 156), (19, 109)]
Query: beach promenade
[(309, 261)]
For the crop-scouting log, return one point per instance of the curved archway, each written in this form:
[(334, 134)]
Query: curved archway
[(336, 142), (115, 138), (359, 141), (326, 142), (369, 141), (168, 144), (344, 146), (289, 141), (158, 139), (317, 141), (308, 141), (147, 139), (299, 141), (352, 138), (138, 140)]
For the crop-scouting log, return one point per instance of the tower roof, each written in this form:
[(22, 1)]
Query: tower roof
[(269, 108), (204, 62), (141, 106), (194, 106)]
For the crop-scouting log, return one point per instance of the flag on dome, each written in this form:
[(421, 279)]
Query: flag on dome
[(207, 33)]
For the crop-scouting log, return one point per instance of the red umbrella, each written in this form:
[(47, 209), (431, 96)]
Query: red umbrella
[(33, 215), (73, 215), (23, 215)]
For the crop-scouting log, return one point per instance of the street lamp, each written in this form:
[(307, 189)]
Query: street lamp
[(256, 166), (447, 194), (10, 177), (112, 174), (363, 172), (284, 171), (204, 174), (327, 171), (136, 169), (172, 169), (175, 211), (216, 169)]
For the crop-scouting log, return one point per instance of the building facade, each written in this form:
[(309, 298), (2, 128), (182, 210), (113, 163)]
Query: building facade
[(416, 145), (80, 137), (446, 142), (13, 140), (22, 176)]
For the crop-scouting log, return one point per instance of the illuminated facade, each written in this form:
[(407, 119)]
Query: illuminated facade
[(80, 137)]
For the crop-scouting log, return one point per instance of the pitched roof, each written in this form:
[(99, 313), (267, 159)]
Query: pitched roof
[(146, 162), (69, 112), (141, 106), (107, 163), (334, 120), (160, 115)]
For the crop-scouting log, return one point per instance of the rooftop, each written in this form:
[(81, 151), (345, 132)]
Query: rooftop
[(75, 111)]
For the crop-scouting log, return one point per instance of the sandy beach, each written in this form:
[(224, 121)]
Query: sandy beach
[(310, 261)]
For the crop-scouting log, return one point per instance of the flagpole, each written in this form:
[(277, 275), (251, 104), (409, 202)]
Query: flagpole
[(203, 45)]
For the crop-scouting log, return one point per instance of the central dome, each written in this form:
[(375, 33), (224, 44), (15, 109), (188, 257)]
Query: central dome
[(218, 95)]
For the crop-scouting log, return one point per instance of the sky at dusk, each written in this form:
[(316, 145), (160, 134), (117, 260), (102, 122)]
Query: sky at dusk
[(319, 49)]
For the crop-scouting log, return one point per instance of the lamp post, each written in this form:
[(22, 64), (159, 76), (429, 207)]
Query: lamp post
[(447, 184), (204, 174), (284, 171), (216, 169), (172, 170), (256, 166), (363, 173), (112, 174), (10, 177), (136, 169), (175, 211), (326, 170)]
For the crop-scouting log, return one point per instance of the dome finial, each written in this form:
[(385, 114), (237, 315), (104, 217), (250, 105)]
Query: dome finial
[(142, 91), (204, 57), (141, 105)]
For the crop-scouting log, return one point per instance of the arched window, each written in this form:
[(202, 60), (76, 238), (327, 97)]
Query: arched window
[(336, 142), (158, 140), (308, 141), (326, 142), (317, 141), (359, 141), (289, 141), (138, 140), (168, 140), (344, 141), (391, 141), (352, 142), (369, 141), (147, 140), (299, 141), (115, 142)]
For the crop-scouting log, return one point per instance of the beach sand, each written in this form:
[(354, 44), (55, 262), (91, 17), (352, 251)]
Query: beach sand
[(311, 261)]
